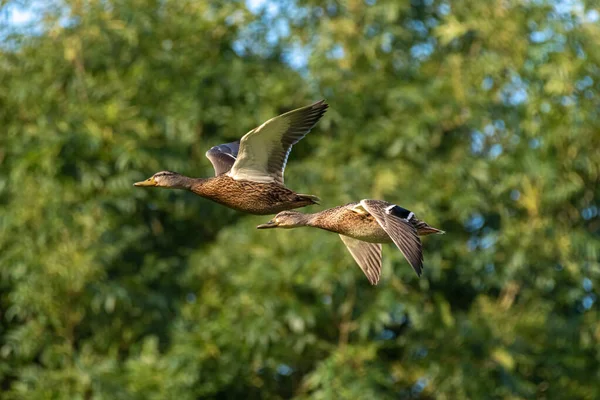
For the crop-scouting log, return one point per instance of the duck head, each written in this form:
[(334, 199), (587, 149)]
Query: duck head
[(286, 220), (165, 179)]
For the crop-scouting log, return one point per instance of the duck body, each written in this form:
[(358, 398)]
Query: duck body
[(363, 226), (352, 221), (249, 196), (344, 221)]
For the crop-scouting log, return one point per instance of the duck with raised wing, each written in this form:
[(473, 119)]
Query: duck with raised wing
[(363, 227), (249, 172)]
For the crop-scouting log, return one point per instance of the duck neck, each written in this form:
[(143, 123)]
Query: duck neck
[(185, 182), (305, 219), (320, 220), (199, 186), (316, 220)]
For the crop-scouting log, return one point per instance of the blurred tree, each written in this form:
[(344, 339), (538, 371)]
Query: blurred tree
[(480, 117)]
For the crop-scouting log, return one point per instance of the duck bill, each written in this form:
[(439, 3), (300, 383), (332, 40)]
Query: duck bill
[(147, 182), (268, 225)]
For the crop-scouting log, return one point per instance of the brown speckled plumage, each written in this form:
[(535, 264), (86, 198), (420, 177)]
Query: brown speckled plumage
[(251, 197), (346, 222)]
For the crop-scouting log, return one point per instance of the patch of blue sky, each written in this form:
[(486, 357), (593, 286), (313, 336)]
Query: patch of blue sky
[(515, 195), (432, 22), (584, 83), (386, 42), (421, 352), (514, 93), (190, 297), (256, 6), (489, 130), (499, 124), (589, 212), (568, 6), (386, 334), (541, 36), (592, 16), (296, 56), (588, 301), (398, 314), (337, 52), (545, 107), (535, 143), (16, 17), (418, 26), (284, 369), (277, 15), (487, 241), (444, 9), (496, 150), (269, 7), (477, 142), (239, 48), (422, 51), (20, 19), (475, 222), (26, 18), (567, 101), (418, 387), (279, 29), (487, 83)]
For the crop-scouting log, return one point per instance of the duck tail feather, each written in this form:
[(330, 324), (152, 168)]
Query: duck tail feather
[(424, 229), (310, 198)]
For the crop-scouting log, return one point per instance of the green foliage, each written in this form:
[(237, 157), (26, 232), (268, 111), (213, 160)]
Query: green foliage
[(480, 117)]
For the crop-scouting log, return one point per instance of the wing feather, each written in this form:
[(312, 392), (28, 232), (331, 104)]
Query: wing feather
[(367, 256), (402, 233), (264, 150), (223, 156)]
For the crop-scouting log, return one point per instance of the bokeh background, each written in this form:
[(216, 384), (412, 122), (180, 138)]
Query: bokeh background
[(482, 117)]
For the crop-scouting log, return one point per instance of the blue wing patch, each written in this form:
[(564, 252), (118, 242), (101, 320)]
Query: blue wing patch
[(399, 212)]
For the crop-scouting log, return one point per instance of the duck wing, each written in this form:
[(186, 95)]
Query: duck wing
[(223, 156), (264, 150), (400, 230), (367, 256)]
